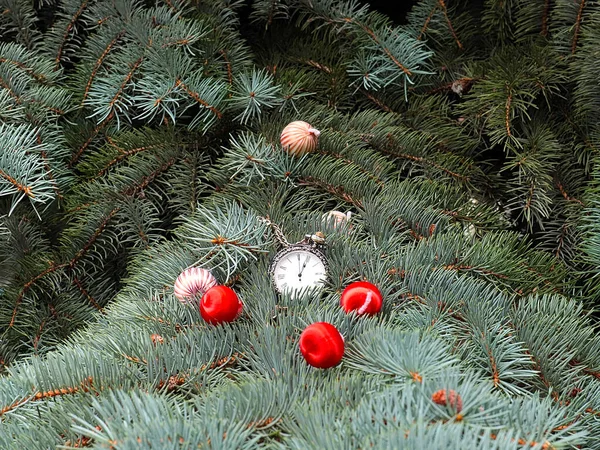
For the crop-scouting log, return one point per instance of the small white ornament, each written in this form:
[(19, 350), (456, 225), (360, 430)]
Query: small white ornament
[(193, 282), (338, 218), (299, 138)]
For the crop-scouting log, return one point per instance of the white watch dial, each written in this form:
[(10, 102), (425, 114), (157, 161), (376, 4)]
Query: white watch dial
[(299, 269)]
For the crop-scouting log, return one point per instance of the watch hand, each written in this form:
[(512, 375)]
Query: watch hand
[(303, 266)]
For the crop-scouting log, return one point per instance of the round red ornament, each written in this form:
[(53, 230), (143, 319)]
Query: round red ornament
[(299, 137), (362, 297), (220, 304), (322, 345)]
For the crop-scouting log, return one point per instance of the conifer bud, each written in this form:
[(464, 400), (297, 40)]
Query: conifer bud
[(448, 397)]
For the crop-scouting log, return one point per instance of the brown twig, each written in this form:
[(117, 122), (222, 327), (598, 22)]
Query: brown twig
[(373, 36), (85, 386), (24, 68), (86, 144), (426, 24), (577, 26), (99, 62), (66, 34), (332, 189), (545, 15), (127, 79), (196, 97), (87, 295), (445, 10), (20, 187), (122, 155), (507, 116)]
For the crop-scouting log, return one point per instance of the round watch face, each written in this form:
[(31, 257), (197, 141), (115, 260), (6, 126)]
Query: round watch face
[(299, 267)]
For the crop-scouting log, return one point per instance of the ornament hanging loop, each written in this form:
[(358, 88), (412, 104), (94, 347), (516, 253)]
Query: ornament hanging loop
[(317, 239), (279, 236)]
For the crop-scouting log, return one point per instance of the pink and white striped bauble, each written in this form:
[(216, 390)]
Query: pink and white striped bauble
[(193, 282), (338, 218), (299, 138)]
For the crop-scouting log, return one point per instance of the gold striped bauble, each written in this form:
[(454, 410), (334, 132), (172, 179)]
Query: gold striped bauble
[(299, 138)]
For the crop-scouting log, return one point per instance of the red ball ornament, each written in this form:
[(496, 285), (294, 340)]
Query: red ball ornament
[(362, 297), (220, 304), (299, 137), (322, 345)]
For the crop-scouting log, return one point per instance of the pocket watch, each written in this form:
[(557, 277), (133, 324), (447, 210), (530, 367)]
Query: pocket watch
[(299, 266)]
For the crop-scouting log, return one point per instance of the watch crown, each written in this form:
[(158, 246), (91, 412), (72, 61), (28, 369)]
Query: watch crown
[(318, 238)]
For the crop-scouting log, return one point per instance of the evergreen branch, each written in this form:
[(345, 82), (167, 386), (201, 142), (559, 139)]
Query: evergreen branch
[(87, 295), (228, 65), (28, 70), (92, 239), (145, 181), (386, 50), (566, 195), (19, 99), (27, 286), (38, 335), (122, 155), (86, 144), (85, 386), (426, 24), (338, 191), (134, 359), (507, 115), (176, 326), (362, 170), (577, 26), (445, 10), (227, 361), (99, 62), (378, 102), (319, 66), (422, 160), (127, 79), (197, 98), (49, 171), (415, 297), (458, 268), (173, 382), (11, 92), (545, 16), (526, 442), (83, 441), (65, 36), (54, 267), (20, 187), (493, 366)]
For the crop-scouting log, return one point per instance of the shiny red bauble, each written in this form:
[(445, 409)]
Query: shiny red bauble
[(362, 297), (322, 345), (220, 304)]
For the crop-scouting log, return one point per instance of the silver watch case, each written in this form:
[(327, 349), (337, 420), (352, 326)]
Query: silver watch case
[(311, 248)]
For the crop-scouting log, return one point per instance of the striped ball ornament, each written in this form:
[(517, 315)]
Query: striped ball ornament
[(193, 282), (299, 137), (338, 218)]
